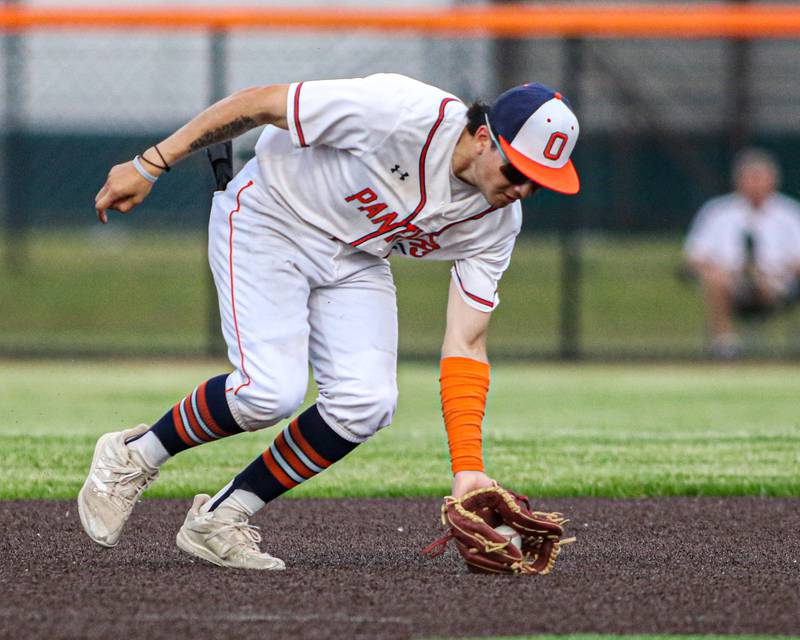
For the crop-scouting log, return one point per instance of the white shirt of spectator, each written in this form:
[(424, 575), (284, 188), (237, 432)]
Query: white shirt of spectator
[(717, 235), (368, 161)]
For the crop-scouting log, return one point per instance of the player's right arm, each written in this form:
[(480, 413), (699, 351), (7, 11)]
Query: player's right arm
[(240, 112), (464, 385)]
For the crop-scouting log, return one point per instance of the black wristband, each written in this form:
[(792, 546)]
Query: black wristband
[(161, 155), (164, 167), (150, 162)]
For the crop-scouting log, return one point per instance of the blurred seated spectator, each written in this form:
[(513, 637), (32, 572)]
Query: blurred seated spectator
[(745, 249)]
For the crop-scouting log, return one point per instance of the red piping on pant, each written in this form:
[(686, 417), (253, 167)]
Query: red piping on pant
[(233, 296)]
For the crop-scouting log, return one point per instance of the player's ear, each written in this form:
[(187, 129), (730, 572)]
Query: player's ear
[(482, 139)]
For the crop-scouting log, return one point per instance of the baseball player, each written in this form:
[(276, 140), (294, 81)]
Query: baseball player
[(345, 174)]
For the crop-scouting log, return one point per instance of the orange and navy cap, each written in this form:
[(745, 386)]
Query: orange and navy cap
[(535, 130)]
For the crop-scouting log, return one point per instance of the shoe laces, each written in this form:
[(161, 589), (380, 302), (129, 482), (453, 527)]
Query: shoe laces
[(124, 481), (238, 536)]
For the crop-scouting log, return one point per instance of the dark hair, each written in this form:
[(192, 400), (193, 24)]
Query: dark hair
[(476, 116)]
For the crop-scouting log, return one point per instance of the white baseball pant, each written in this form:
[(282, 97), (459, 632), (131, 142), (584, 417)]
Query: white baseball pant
[(290, 295)]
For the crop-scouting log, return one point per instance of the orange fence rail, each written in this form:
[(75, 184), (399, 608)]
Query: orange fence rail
[(512, 20)]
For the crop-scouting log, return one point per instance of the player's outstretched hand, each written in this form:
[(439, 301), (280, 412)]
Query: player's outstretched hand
[(123, 190), (466, 481)]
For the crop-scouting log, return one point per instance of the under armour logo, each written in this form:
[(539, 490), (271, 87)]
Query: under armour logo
[(403, 174)]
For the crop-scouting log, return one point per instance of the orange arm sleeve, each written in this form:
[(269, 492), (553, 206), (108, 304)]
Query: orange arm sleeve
[(464, 384)]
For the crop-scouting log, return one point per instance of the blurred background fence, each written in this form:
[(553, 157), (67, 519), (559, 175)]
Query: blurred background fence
[(665, 93)]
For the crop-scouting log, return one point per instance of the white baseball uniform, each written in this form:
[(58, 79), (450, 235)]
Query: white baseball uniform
[(299, 241)]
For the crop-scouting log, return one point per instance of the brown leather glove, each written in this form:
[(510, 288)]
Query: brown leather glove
[(472, 520)]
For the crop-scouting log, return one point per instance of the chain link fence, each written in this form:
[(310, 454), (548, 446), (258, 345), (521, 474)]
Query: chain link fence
[(594, 275)]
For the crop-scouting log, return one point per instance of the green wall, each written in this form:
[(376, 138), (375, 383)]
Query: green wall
[(631, 183)]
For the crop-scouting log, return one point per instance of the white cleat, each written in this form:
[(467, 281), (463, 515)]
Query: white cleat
[(116, 479), (224, 537)]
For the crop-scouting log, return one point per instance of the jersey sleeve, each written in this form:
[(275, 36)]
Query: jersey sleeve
[(356, 115), (477, 277), (701, 241)]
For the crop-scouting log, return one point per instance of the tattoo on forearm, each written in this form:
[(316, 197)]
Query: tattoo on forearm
[(225, 132)]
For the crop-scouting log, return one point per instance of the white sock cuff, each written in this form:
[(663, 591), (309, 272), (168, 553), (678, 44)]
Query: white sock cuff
[(246, 500), (150, 449)]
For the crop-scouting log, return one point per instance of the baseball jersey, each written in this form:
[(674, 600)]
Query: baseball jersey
[(719, 230), (368, 161)]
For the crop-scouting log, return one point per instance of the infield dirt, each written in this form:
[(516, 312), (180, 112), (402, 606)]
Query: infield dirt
[(666, 566)]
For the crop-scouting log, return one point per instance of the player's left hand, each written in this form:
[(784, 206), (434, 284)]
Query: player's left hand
[(123, 190)]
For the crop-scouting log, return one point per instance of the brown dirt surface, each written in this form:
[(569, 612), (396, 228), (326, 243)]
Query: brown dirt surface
[(669, 565)]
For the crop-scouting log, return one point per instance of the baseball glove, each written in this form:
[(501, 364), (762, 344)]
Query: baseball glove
[(472, 521)]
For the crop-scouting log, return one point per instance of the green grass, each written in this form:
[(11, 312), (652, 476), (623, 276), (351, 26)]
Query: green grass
[(551, 430), (110, 291), (105, 290)]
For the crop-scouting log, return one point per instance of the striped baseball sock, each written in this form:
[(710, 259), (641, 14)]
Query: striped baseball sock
[(202, 416), (302, 450)]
